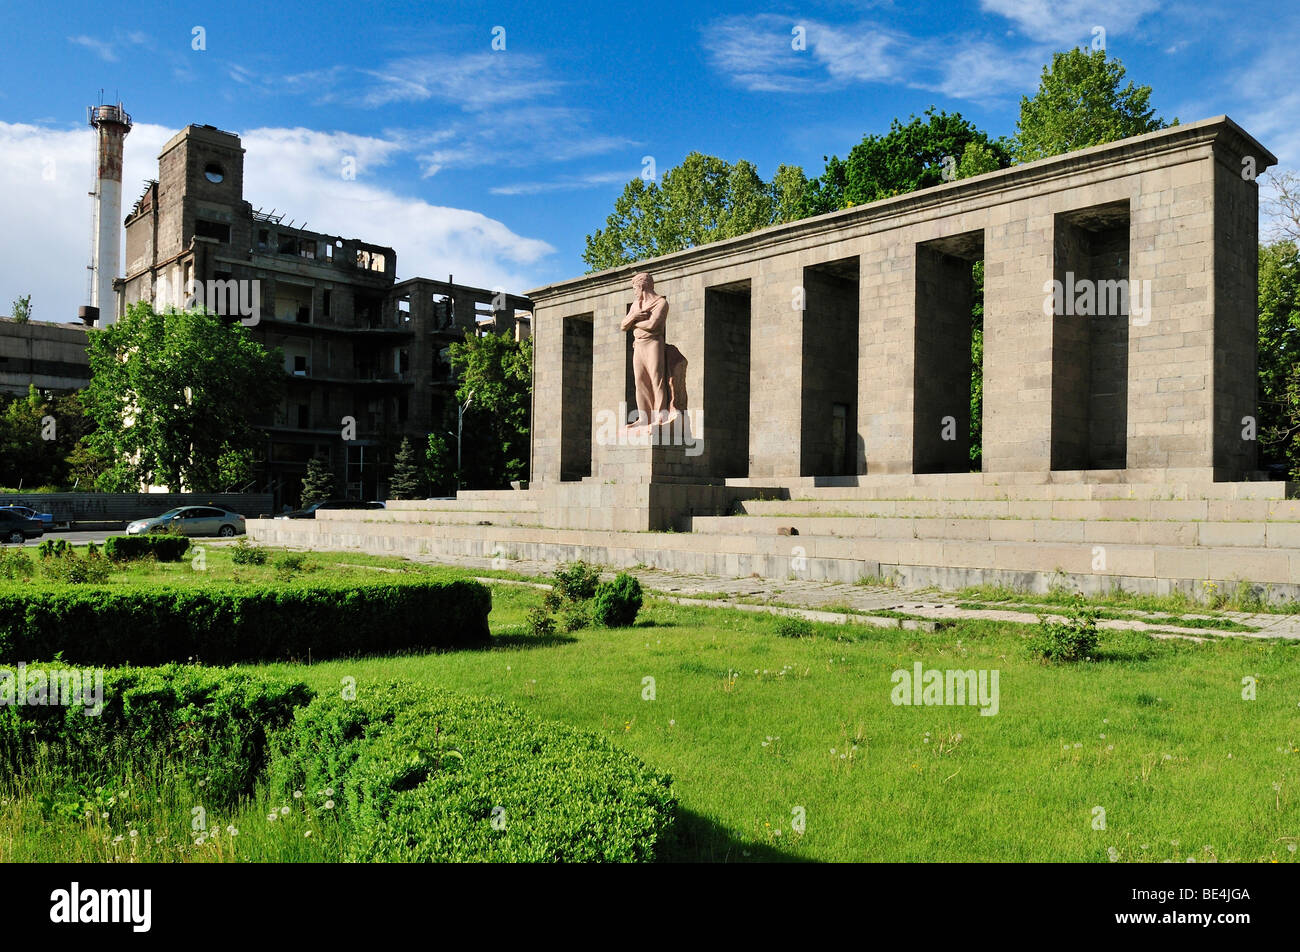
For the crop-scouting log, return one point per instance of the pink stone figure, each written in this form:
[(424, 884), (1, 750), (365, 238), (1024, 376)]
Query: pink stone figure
[(647, 320)]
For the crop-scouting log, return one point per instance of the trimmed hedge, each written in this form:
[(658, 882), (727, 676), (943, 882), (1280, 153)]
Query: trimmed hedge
[(164, 548), (224, 625), (422, 775), (212, 725)]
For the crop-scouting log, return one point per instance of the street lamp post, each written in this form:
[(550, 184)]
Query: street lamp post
[(460, 424)]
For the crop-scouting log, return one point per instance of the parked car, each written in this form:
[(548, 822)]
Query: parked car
[(46, 518), (17, 528), (310, 511), (193, 521)]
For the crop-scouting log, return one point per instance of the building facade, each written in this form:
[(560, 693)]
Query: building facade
[(50, 357), (365, 356)]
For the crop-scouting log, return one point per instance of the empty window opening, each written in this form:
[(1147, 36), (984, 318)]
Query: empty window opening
[(948, 371), (576, 378), (830, 370), (726, 378), (1090, 338)]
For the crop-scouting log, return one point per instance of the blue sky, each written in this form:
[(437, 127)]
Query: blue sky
[(494, 165)]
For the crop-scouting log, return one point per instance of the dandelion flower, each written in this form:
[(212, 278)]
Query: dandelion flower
[(297, 794), (284, 811), (232, 830), (329, 804), (307, 834)]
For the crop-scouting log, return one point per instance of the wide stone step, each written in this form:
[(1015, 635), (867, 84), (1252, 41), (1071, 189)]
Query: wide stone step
[(465, 516), (1084, 532), (946, 563), (501, 502), (1146, 510), (1050, 491)]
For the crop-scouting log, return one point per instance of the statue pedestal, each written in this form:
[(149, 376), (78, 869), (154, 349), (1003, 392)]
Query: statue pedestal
[(661, 451)]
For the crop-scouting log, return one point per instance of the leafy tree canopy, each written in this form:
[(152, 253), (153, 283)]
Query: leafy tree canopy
[(1080, 103), (174, 396)]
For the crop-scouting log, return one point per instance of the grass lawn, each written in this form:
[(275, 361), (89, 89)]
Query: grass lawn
[(758, 731), (752, 726)]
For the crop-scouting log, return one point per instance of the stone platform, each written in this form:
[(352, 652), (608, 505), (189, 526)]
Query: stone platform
[(1029, 531)]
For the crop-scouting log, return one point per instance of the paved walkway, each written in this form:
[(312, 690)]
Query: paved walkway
[(819, 601)]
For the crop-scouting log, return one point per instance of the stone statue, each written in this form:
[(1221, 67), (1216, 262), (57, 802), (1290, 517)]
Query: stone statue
[(647, 320)]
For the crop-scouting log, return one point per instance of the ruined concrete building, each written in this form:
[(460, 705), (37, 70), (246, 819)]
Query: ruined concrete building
[(356, 342)]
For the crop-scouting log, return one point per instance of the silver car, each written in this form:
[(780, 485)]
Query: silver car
[(193, 521)]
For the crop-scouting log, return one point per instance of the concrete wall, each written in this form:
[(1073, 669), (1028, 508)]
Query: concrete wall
[(42, 354), (126, 507)]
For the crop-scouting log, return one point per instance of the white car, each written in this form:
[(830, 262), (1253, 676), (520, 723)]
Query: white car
[(193, 521)]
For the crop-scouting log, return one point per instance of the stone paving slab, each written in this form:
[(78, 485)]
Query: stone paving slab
[(812, 598)]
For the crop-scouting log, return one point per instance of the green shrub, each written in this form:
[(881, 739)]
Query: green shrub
[(241, 553), (291, 562), (15, 564), (791, 627), (74, 569), (422, 775), (576, 582), (130, 548), (1074, 639), (210, 725), (230, 623), (540, 624), (575, 617), (52, 548), (617, 603)]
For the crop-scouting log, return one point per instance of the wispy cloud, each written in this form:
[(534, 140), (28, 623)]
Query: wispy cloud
[(100, 48), (571, 183), (497, 109), (763, 54)]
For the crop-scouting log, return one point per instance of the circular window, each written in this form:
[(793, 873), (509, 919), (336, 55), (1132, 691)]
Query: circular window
[(213, 173)]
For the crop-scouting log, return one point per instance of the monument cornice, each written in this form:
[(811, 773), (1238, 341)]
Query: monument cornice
[(1220, 131)]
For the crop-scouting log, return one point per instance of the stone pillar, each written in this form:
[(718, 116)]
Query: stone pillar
[(886, 352), (1018, 260), (776, 378)]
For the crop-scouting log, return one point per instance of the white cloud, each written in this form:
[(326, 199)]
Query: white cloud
[(45, 173), (1066, 25), (100, 48)]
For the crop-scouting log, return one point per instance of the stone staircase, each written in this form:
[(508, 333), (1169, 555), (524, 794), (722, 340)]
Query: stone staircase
[(1031, 531)]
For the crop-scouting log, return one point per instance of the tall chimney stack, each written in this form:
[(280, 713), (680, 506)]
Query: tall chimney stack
[(111, 124)]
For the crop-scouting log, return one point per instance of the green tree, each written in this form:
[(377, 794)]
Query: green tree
[(495, 374), (407, 481), (704, 199), (1080, 103), (441, 459), (1279, 356), (28, 456), (318, 484), (919, 154), (170, 394), (22, 309)]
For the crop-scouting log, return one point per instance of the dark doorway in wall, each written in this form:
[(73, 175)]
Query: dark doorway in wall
[(942, 375), (575, 397), (830, 371), (726, 378), (1090, 338)]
